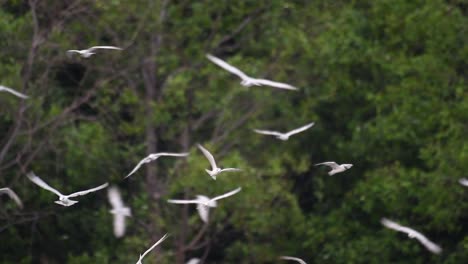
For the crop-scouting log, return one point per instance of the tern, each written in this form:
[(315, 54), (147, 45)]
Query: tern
[(151, 248), (246, 80), (463, 181), (63, 199), (284, 136), (204, 203), (6, 89), (215, 170), (153, 157), (293, 258), (431, 246), (86, 53), (118, 210), (12, 195), (335, 167), (193, 261)]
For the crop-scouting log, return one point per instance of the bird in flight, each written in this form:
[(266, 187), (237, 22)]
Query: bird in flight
[(335, 167), (431, 246), (151, 248), (193, 261), (293, 258), (246, 80), (12, 195), (86, 53), (463, 181), (6, 89), (63, 199), (284, 136), (204, 203), (215, 170), (153, 157), (119, 210)]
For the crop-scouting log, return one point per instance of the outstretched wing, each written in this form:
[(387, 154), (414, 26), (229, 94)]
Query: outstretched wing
[(230, 169), (208, 156), (153, 246), (12, 195), (89, 190), (227, 194), (331, 164), (143, 161), (104, 47), (115, 199), (6, 89), (463, 181), (41, 183), (227, 66), (268, 132), (153, 157), (184, 201), (431, 246), (275, 84), (293, 258), (299, 130)]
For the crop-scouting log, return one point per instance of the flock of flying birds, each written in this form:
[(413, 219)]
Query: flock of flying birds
[(204, 203)]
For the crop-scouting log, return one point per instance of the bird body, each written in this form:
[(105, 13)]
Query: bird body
[(215, 170), (9, 90), (63, 199), (336, 168), (86, 53), (153, 157), (12, 195), (284, 136), (118, 210), (246, 80)]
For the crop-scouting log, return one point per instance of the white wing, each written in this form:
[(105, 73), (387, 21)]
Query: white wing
[(431, 246), (293, 258), (230, 169), (227, 66), (89, 190), (208, 156), (268, 132), (184, 201), (155, 156), (227, 194), (463, 181), (104, 47), (115, 199), (193, 261), (153, 246), (12, 195), (204, 212), (73, 51), (119, 225), (4, 88), (42, 184), (298, 130), (275, 84), (331, 164)]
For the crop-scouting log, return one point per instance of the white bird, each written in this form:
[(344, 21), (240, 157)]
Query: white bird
[(86, 53), (153, 157), (215, 170), (6, 89), (284, 136), (12, 195), (193, 261), (293, 258), (204, 203), (431, 246), (118, 210), (63, 199), (246, 80), (335, 167), (463, 181), (151, 248)]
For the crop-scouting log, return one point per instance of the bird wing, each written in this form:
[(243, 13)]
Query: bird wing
[(331, 164), (208, 156), (41, 183), (154, 156), (115, 199), (12, 195), (293, 258), (143, 161), (431, 246), (153, 246), (227, 66), (268, 132), (4, 88), (463, 181), (184, 201), (230, 169), (73, 51), (300, 129), (227, 194), (119, 225), (185, 154), (204, 212), (275, 84), (89, 190), (193, 261), (104, 47)]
